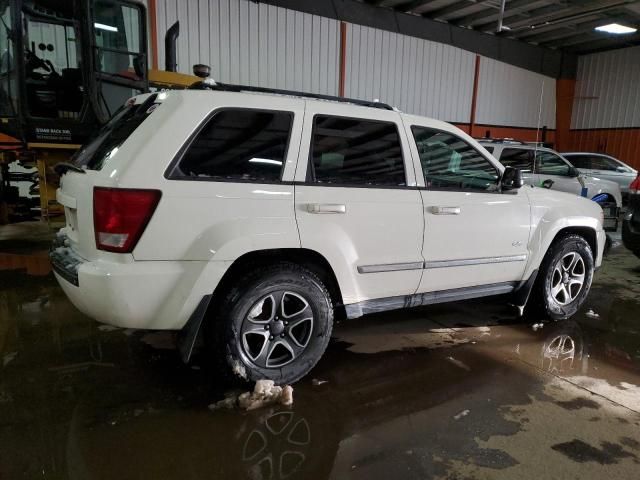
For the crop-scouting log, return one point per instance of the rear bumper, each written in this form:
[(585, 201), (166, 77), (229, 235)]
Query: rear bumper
[(143, 294)]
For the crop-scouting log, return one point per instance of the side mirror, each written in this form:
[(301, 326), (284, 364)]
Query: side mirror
[(511, 179), (574, 172)]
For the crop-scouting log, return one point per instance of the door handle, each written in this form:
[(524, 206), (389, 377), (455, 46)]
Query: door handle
[(326, 208), (437, 210)]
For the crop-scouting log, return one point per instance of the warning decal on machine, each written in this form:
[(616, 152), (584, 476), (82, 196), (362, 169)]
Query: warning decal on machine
[(56, 134)]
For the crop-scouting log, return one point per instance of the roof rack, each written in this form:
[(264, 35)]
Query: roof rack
[(501, 140), (225, 87)]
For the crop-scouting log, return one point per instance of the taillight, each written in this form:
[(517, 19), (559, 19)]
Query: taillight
[(635, 185), (120, 215)]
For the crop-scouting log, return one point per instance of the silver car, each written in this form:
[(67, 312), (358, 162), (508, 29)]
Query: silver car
[(603, 166)]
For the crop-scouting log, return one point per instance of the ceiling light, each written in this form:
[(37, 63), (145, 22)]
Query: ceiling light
[(616, 29), (108, 28)]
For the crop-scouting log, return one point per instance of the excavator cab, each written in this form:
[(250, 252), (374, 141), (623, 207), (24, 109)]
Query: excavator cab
[(66, 67)]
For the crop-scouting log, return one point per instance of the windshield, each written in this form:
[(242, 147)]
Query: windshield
[(106, 143)]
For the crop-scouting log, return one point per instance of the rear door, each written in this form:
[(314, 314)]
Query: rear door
[(356, 201), (474, 235)]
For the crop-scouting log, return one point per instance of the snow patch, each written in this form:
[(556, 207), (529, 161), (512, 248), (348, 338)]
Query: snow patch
[(265, 392)]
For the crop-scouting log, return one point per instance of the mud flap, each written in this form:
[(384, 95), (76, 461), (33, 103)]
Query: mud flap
[(521, 294), (188, 336)]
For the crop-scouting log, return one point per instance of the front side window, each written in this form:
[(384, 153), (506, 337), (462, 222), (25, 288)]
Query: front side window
[(519, 158), (551, 164), (450, 163), (604, 163), (239, 145), (350, 151)]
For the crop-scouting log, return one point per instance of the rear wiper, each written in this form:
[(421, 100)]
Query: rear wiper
[(64, 167)]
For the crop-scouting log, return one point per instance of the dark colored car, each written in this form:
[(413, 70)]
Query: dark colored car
[(631, 222)]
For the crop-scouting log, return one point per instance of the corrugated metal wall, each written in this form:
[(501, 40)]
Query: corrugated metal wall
[(608, 90), (509, 95), (415, 75), (606, 106), (263, 45), (251, 43)]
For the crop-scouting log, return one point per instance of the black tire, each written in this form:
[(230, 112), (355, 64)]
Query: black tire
[(258, 301), (555, 304)]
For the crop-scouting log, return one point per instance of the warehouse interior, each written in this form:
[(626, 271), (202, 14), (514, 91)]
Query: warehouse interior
[(454, 376)]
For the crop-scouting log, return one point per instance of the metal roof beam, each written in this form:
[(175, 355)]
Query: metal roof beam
[(453, 8), (411, 5), (513, 8)]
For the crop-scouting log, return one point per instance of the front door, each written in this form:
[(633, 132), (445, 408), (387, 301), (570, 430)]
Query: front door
[(474, 235), (552, 171), (356, 202)]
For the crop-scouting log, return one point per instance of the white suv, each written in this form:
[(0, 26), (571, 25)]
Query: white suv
[(256, 218), (552, 170)]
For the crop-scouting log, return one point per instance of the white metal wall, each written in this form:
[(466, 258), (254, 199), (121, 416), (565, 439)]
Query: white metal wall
[(608, 90), (417, 76), (513, 96), (255, 44)]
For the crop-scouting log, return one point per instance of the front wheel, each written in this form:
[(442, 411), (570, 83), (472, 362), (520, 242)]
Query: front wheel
[(565, 277), (274, 325)]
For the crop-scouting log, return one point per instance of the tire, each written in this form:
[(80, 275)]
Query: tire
[(559, 296), (274, 324)]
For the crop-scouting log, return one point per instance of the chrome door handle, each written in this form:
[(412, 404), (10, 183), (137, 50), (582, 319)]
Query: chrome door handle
[(436, 210), (326, 208)]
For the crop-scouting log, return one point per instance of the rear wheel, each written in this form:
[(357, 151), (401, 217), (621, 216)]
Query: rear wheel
[(565, 277), (274, 325)]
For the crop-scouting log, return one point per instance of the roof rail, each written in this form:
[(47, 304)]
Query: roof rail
[(501, 140), (225, 87)]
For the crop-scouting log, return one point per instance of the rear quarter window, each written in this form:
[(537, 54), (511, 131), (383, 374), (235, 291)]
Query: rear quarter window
[(238, 145)]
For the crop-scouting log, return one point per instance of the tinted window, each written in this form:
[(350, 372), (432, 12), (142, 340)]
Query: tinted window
[(604, 163), (449, 162), (552, 164), (238, 144), (489, 149), (580, 161), (108, 139), (356, 152), (519, 158)]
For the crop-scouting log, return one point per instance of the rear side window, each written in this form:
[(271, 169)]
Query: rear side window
[(124, 122), (349, 151), (517, 158), (239, 145)]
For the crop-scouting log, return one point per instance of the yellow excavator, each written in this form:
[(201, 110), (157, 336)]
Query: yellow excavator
[(65, 68)]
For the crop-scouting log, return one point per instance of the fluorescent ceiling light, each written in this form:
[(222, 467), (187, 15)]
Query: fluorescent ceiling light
[(108, 28), (266, 160), (616, 29)]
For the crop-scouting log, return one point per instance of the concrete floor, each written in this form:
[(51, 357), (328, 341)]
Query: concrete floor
[(456, 391)]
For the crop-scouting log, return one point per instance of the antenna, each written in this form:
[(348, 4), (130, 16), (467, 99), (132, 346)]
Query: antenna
[(535, 150)]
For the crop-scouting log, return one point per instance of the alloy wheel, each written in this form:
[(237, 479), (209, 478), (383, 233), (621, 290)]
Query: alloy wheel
[(277, 329), (568, 278)]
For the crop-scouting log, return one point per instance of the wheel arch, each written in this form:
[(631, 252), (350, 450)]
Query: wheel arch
[(588, 233), (307, 258)]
